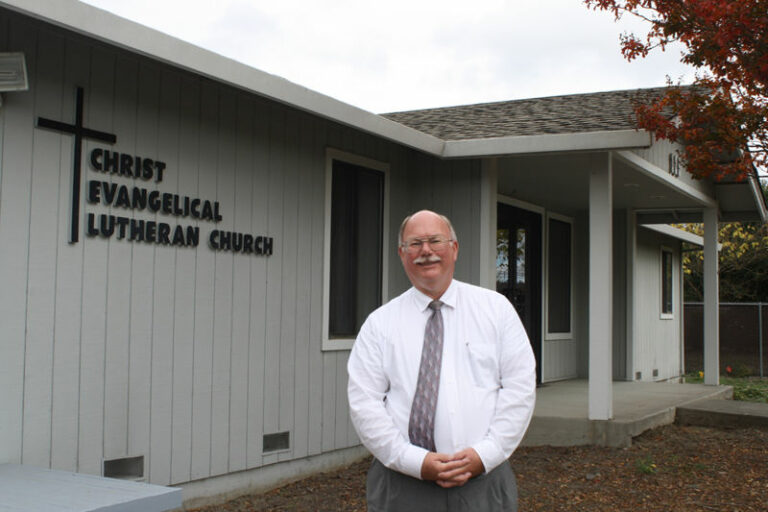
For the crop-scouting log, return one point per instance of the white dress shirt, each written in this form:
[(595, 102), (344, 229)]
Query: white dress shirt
[(487, 380)]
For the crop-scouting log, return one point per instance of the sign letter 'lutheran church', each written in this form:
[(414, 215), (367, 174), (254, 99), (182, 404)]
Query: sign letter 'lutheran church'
[(179, 307), (123, 196)]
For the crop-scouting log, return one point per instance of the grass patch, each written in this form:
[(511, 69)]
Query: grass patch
[(646, 466), (747, 389)]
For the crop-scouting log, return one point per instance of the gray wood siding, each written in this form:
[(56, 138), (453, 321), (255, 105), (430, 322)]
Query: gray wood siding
[(657, 341), (619, 347), (187, 356)]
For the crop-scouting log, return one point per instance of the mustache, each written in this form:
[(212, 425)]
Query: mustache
[(432, 258)]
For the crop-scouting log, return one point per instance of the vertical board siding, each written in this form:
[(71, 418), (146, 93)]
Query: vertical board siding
[(274, 289), (241, 288), (223, 289), (142, 282), (119, 262), (289, 282), (205, 271), (42, 268), (97, 115), (259, 294), (69, 281), (315, 138), (652, 348), (619, 348), (184, 355), (301, 386), (580, 326), (185, 270), (16, 174), (161, 368)]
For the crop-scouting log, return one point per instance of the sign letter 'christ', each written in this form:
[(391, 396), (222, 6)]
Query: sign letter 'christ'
[(80, 132)]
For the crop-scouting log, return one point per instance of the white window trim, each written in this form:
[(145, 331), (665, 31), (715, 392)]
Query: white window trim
[(332, 154), (545, 313), (662, 315)]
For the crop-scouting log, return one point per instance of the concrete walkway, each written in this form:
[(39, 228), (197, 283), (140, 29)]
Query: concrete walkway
[(724, 413), (560, 417)]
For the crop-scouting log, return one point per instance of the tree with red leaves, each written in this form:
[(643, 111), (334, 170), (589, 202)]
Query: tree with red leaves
[(722, 119)]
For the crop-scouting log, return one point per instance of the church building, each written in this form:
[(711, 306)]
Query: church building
[(188, 247)]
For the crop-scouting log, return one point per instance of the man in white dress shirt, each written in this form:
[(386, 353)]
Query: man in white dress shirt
[(486, 392)]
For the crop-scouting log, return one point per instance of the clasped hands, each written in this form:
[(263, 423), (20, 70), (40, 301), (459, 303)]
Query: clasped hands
[(451, 470)]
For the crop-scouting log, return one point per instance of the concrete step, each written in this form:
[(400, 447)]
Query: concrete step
[(40, 489), (723, 414)]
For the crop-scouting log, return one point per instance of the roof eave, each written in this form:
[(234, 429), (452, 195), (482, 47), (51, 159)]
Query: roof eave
[(104, 26), (547, 143)]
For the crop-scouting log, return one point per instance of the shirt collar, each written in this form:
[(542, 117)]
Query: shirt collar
[(448, 298)]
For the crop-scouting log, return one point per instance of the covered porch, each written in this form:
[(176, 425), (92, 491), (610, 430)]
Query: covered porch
[(561, 415), (574, 214), (622, 331)]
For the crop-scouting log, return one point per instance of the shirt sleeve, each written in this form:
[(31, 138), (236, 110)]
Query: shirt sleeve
[(367, 388), (517, 395)]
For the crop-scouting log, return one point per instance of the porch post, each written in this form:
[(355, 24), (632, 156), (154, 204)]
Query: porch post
[(601, 290), (711, 300)]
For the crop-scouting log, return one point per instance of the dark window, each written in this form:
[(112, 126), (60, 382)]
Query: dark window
[(559, 281), (357, 220), (666, 282)]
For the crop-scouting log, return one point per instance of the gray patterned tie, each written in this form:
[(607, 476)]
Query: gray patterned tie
[(421, 427)]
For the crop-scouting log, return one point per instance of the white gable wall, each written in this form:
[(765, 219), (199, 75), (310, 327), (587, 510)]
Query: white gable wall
[(661, 154)]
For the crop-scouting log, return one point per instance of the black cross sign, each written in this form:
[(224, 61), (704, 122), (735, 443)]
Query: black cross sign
[(80, 132)]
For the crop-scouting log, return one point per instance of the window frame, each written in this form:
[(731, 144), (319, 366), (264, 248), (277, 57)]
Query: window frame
[(545, 314), (663, 315), (332, 154)]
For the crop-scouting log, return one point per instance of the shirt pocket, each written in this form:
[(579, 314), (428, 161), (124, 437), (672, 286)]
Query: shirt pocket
[(483, 364)]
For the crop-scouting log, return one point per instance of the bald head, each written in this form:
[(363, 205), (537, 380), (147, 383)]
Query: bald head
[(445, 219)]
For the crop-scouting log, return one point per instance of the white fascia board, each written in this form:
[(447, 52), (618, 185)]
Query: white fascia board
[(93, 22), (680, 234), (546, 143), (659, 174)]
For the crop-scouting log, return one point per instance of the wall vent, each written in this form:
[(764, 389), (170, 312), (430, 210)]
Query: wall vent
[(275, 442), (656, 372), (127, 468), (638, 375)]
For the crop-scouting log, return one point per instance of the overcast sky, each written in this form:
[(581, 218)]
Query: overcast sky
[(396, 55)]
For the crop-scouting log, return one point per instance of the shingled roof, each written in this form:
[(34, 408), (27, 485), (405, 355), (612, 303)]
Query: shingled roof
[(575, 113)]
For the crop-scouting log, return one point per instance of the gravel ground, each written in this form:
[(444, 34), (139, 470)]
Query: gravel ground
[(672, 468)]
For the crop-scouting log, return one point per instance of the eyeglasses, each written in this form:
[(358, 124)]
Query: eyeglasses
[(436, 243)]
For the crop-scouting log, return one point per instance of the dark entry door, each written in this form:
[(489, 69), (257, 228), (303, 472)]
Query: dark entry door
[(518, 269)]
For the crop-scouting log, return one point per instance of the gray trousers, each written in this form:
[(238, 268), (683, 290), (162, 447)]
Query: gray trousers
[(390, 491)]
